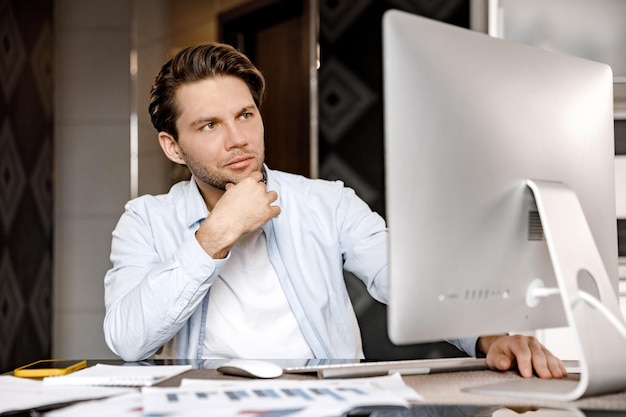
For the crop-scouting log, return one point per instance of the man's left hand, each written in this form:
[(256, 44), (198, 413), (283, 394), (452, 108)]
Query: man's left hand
[(505, 352)]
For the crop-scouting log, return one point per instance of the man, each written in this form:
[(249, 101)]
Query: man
[(244, 261)]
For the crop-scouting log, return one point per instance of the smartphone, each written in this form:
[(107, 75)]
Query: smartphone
[(49, 367)]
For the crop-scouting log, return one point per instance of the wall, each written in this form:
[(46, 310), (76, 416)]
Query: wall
[(92, 159), (107, 53)]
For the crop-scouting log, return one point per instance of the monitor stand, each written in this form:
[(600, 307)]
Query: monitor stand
[(576, 261)]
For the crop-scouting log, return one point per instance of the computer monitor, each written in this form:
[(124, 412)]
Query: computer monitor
[(499, 183)]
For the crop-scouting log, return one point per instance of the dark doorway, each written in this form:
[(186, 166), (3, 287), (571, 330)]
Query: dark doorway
[(279, 37)]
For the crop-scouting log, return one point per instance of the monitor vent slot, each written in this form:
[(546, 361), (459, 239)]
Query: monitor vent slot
[(476, 294), (535, 230), (484, 294)]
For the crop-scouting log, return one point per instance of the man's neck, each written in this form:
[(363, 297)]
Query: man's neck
[(210, 195)]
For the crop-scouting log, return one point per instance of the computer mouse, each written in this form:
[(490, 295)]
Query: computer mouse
[(250, 368)]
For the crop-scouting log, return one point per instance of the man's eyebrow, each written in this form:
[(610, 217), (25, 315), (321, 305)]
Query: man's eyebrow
[(247, 108), (203, 121), (207, 119)]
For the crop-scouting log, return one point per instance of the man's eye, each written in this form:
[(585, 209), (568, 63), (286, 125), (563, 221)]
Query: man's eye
[(246, 115), (209, 126)]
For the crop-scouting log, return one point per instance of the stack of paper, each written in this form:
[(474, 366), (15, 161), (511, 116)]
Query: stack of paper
[(118, 376), (99, 381), (18, 394)]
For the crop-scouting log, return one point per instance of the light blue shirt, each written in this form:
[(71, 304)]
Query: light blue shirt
[(157, 291)]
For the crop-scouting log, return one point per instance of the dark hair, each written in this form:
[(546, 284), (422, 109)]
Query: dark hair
[(196, 63)]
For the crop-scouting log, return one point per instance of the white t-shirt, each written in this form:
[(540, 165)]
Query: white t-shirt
[(248, 314)]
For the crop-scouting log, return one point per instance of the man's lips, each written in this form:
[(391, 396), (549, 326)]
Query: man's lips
[(240, 162)]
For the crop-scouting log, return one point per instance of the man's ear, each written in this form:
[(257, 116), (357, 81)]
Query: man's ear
[(170, 148)]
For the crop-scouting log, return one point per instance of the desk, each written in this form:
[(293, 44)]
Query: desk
[(447, 389), (443, 395)]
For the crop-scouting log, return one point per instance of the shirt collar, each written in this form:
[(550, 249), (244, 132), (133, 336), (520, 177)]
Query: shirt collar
[(194, 203)]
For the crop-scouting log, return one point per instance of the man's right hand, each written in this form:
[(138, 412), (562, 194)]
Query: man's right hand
[(244, 207)]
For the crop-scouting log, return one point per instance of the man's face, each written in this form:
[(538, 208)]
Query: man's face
[(220, 130)]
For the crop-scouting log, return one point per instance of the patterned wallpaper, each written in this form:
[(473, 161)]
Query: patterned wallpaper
[(26, 64), (351, 127)]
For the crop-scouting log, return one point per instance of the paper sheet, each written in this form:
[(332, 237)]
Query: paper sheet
[(24, 394), (126, 405), (285, 397)]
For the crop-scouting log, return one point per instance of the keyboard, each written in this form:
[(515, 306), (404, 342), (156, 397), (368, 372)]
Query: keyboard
[(403, 367)]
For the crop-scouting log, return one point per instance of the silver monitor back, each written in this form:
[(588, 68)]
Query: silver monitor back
[(500, 183), (468, 119)]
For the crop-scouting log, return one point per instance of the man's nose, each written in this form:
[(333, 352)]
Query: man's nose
[(235, 137)]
